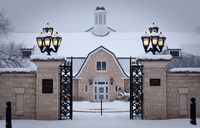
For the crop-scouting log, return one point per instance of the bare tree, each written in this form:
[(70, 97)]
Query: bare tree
[(5, 24), (10, 55)]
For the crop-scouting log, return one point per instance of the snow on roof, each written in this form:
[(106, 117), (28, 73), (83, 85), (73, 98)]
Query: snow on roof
[(31, 67), (184, 70), (125, 64), (122, 44), (12, 70), (154, 57), (185, 61), (77, 64)]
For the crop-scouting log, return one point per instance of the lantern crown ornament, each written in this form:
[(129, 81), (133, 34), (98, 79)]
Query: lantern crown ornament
[(47, 39), (154, 40)]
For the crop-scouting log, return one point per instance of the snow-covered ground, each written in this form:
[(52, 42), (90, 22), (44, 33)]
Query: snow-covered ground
[(115, 115)]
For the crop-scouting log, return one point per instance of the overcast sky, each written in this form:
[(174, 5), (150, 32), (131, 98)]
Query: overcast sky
[(123, 15)]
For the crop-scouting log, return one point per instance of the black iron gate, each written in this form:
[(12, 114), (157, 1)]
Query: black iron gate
[(136, 90), (66, 95)]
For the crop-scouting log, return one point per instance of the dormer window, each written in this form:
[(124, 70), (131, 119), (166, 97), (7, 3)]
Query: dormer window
[(175, 52), (26, 52), (101, 66)]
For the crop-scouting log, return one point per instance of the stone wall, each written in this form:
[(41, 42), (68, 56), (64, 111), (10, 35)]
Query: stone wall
[(180, 88), (154, 103), (169, 99), (20, 89), (75, 90), (47, 104), (127, 85)]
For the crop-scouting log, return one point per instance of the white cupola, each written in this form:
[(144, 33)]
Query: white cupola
[(100, 28), (100, 16)]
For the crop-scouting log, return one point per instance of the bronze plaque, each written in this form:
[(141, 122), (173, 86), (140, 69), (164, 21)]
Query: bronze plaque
[(154, 82)]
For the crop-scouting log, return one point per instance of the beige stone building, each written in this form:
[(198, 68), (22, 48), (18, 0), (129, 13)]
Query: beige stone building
[(100, 77)]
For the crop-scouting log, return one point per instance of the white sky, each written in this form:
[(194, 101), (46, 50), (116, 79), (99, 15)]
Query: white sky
[(123, 15)]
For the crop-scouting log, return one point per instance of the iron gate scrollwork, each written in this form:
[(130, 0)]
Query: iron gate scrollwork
[(66, 95), (136, 91)]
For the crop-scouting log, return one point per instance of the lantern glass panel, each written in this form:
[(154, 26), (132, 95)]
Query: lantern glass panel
[(47, 41), (154, 40), (39, 42), (146, 41), (50, 31), (59, 42), (55, 41), (160, 42)]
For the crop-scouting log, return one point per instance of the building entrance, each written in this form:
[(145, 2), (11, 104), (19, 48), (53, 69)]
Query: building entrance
[(101, 91)]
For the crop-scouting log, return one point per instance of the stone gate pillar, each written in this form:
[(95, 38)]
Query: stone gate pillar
[(154, 85), (47, 86)]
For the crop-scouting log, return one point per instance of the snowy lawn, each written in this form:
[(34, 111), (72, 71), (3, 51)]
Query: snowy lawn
[(115, 115)]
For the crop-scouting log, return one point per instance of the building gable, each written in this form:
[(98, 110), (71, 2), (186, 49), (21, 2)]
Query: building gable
[(97, 51)]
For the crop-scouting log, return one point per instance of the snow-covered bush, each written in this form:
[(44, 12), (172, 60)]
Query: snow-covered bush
[(123, 96)]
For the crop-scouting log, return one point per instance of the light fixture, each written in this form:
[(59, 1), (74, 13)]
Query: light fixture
[(155, 39), (46, 39)]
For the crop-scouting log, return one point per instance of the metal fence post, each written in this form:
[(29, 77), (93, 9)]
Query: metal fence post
[(193, 111), (8, 115), (101, 106)]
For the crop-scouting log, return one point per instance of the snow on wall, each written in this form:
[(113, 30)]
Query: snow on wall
[(46, 57), (154, 57)]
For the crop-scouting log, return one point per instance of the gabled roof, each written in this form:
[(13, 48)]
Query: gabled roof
[(106, 50), (185, 61)]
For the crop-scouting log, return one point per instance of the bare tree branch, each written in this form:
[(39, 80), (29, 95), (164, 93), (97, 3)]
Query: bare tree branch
[(10, 55), (5, 24)]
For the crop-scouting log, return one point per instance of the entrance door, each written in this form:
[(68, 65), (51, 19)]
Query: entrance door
[(101, 91)]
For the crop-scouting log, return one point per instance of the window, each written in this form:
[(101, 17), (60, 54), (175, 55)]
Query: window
[(47, 85), (116, 88), (106, 97), (101, 89), (175, 52), (95, 89), (86, 88), (26, 52), (101, 65), (101, 82)]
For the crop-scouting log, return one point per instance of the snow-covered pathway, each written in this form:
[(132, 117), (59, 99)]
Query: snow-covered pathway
[(102, 123), (88, 116)]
